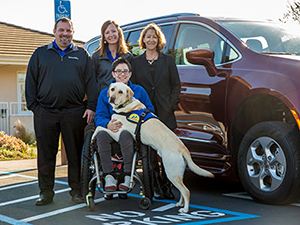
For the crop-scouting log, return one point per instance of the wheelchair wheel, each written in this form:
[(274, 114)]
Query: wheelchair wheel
[(146, 172), (145, 203), (123, 196), (88, 128), (86, 161), (108, 196), (91, 205)]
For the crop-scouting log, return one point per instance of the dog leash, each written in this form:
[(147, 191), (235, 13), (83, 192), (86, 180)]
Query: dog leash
[(141, 120), (137, 131)]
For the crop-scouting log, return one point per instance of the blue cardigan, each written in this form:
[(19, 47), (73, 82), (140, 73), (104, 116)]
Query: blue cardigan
[(104, 110)]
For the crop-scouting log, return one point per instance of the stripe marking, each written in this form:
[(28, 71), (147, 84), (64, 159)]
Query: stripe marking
[(17, 185), (30, 177), (12, 221), (242, 195), (164, 208), (59, 211), (8, 176), (30, 198)]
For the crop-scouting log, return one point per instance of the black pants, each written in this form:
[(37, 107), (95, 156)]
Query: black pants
[(48, 127)]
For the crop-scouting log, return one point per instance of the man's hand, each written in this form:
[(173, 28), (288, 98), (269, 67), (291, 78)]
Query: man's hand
[(90, 116)]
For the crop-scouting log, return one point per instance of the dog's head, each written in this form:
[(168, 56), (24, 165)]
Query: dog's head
[(119, 94)]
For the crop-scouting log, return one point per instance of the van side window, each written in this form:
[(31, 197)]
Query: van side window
[(191, 36), (93, 46), (135, 35), (133, 44)]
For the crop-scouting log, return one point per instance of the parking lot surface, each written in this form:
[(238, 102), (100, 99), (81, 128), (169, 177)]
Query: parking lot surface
[(19, 190)]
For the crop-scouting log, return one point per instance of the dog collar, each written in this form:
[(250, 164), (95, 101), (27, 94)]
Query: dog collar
[(124, 105)]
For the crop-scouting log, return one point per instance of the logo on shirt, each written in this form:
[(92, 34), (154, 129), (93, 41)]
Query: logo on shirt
[(73, 57)]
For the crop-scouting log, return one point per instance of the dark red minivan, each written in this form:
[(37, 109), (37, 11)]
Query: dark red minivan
[(240, 99)]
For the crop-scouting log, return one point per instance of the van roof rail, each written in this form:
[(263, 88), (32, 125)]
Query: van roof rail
[(162, 17)]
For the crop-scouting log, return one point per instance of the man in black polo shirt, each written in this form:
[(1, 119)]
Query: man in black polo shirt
[(58, 78)]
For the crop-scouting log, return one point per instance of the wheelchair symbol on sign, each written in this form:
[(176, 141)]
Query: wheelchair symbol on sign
[(61, 8)]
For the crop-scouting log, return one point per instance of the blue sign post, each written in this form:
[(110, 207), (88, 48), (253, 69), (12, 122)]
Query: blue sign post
[(62, 8)]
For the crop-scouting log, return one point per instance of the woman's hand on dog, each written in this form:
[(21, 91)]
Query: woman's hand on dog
[(114, 125)]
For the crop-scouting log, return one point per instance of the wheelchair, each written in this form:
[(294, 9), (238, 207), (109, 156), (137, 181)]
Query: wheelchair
[(92, 176)]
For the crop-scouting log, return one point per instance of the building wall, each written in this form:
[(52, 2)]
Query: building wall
[(9, 93), (8, 82)]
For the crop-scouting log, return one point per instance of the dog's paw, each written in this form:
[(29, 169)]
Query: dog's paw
[(183, 210), (179, 204)]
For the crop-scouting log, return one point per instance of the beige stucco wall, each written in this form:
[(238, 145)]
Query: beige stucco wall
[(8, 82), (8, 93)]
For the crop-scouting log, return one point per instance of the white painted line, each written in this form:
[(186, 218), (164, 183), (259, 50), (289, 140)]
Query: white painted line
[(296, 204), (59, 211), (18, 200), (12, 221), (17, 185), (8, 176), (26, 169), (164, 208), (242, 195), (30, 198), (61, 182), (19, 175), (30, 177)]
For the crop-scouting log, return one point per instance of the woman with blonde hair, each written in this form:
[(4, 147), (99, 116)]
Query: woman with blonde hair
[(157, 73), (112, 46)]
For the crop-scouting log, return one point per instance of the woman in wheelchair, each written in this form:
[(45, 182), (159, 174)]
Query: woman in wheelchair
[(121, 71)]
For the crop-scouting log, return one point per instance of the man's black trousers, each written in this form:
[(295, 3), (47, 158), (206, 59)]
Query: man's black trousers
[(48, 127)]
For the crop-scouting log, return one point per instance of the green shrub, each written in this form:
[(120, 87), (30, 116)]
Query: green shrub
[(22, 133), (14, 148)]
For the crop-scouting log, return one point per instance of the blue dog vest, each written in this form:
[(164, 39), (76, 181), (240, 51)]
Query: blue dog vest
[(135, 115)]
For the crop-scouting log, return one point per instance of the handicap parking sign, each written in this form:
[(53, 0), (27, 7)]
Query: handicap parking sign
[(62, 8)]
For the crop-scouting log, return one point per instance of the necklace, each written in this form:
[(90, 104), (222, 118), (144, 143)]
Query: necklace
[(151, 61)]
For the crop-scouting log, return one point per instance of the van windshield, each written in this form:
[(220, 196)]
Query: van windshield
[(266, 37)]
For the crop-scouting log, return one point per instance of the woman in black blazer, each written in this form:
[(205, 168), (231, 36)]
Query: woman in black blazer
[(158, 74)]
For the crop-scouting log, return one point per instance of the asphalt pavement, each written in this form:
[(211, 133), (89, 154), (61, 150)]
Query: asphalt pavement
[(212, 202)]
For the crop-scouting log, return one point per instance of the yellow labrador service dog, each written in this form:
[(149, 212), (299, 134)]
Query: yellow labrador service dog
[(154, 133)]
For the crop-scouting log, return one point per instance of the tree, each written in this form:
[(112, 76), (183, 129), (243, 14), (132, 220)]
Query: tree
[(293, 12)]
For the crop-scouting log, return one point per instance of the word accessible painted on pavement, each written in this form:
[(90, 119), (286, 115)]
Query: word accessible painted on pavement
[(134, 217)]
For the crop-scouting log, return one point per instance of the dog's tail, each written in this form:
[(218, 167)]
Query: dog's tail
[(196, 169)]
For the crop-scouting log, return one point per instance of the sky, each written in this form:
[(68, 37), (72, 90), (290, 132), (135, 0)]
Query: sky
[(89, 15)]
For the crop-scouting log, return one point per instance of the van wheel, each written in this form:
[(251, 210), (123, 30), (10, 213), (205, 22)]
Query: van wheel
[(269, 162)]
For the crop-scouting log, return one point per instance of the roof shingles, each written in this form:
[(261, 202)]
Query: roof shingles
[(20, 41)]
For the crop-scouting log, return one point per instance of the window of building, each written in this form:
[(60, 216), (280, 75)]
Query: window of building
[(20, 107)]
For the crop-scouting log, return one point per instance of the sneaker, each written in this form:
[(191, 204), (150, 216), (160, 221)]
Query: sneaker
[(110, 183), (125, 186)]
